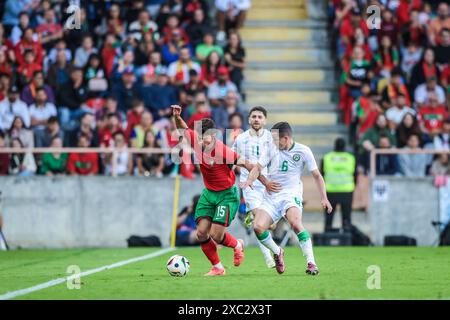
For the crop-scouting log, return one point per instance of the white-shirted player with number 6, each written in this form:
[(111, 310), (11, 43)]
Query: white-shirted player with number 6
[(285, 162)]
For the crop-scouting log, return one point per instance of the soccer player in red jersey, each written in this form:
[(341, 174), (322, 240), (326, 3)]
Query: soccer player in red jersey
[(220, 199)]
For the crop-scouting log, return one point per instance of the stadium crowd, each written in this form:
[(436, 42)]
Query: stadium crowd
[(395, 81), (106, 75)]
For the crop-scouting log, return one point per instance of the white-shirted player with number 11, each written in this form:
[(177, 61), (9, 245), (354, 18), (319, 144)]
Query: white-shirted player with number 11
[(252, 145), (285, 161)]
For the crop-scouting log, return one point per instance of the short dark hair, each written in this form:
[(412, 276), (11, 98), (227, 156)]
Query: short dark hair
[(137, 102), (208, 124), (260, 109), (339, 144), (2, 135), (284, 129), (53, 119)]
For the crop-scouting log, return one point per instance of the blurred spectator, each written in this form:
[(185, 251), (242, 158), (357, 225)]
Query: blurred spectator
[(371, 138), (357, 72), (396, 113), (110, 106), (28, 94), (18, 130), (144, 25), (189, 90), (148, 71), (197, 29), (12, 106), (201, 110), (423, 92), (386, 164), (394, 88), (27, 43), (49, 31), (137, 137), (28, 68), (231, 14), (442, 50), (441, 141), (387, 57), (123, 161), (413, 165), (126, 90), (150, 164), (84, 51), (235, 59), (52, 130), (21, 164), (4, 157), (18, 29), (160, 96), (365, 109), (441, 165), (60, 46), (171, 48), (106, 133), (209, 71), (134, 116), (442, 20), (83, 164), (59, 72), (424, 69), (236, 124), (408, 126), (219, 89), (40, 111), (203, 50), (221, 114), (432, 115), (186, 226), (179, 70), (94, 74), (411, 54), (70, 97), (87, 129), (54, 163)]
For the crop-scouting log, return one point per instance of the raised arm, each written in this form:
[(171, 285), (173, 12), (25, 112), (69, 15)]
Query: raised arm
[(320, 183), (179, 122)]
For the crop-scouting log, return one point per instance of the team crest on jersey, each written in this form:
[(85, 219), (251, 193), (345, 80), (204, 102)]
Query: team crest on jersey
[(296, 157)]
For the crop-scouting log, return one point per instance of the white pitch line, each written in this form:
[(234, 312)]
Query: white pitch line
[(51, 283)]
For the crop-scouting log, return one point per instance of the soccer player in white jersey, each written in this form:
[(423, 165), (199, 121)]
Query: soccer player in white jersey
[(252, 145), (285, 162)]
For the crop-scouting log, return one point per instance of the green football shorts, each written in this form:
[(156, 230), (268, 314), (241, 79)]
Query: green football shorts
[(219, 206)]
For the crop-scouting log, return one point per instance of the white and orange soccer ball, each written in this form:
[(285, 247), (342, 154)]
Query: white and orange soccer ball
[(178, 266)]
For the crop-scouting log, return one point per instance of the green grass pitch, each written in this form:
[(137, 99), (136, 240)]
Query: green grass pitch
[(406, 273)]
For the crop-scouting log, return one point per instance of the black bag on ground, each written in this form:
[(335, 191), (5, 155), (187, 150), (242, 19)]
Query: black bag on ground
[(399, 241), (445, 236), (138, 241), (359, 238)]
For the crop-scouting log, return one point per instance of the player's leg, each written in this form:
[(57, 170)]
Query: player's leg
[(265, 216), (227, 205), (253, 200), (294, 216), (204, 213)]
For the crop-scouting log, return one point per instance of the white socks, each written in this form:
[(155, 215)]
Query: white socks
[(306, 246)]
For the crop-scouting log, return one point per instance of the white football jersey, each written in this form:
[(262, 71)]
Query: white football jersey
[(286, 166), (252, 148)]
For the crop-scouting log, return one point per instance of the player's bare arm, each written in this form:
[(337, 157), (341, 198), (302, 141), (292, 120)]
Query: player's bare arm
[(320, 183), (179, 122), (271, 186)]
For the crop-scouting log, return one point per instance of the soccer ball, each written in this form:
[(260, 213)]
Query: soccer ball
[(178, 266)]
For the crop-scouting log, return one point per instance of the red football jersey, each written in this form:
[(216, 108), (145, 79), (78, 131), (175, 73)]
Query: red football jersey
[(216, 165)]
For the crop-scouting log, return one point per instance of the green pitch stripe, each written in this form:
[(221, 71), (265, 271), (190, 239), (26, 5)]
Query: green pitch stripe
[(51, 283)]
